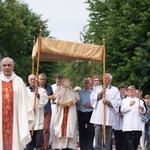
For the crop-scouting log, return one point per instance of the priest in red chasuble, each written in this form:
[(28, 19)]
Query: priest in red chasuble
[(16, 112), (65, 123)]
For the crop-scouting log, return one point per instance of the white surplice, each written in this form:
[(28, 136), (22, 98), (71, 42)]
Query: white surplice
[(40, 103), (23, 115), (132, 118), (113, 95)]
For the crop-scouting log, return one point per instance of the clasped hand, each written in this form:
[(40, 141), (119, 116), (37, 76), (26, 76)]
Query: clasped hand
[(36, 92), (105, 101)]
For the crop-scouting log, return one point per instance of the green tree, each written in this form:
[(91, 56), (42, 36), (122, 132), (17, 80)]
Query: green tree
[(125, 26), (18, 27)]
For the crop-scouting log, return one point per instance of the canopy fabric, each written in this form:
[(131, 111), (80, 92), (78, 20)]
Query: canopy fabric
[(58, 50)]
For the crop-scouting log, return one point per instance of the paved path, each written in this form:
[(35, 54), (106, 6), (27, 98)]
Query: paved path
[(137, 149)]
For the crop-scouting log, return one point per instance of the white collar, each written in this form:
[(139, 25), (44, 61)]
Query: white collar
[(7, 78)]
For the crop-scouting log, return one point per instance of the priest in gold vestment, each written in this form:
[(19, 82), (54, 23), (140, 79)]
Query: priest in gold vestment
[(16, 112), (65, 123)]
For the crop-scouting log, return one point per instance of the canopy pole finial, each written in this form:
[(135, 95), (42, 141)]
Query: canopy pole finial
[(40, 31), (34, 41), (103, 41)]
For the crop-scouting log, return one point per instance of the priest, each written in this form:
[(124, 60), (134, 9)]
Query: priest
[(16, 112)]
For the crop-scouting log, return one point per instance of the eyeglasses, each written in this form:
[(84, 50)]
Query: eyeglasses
[(4, 65)]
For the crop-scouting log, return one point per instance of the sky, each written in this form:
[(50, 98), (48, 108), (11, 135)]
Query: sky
[(66, 18)]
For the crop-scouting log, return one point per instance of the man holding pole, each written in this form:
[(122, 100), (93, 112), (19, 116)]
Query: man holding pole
[(106, 102), (38, 98)]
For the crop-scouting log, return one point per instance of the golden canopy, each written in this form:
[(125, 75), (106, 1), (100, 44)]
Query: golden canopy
[(58, 50)]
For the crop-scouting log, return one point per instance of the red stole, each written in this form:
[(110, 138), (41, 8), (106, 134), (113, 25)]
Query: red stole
[(65, 120), (7, 114)]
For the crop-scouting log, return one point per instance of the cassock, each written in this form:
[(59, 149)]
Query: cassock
[(17, 116)]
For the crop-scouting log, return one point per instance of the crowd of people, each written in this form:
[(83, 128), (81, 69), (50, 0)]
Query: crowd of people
[(58, 117)]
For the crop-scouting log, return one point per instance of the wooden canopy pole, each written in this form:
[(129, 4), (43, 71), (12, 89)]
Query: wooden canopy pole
[(37, 68), (32, 65), (104, 86), (93, 63), (92, 70), (139, 96), (38, 62)]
